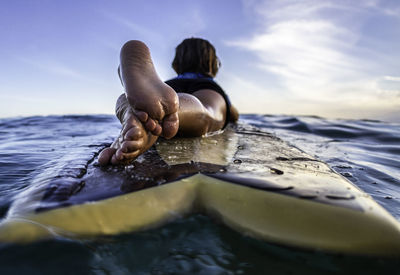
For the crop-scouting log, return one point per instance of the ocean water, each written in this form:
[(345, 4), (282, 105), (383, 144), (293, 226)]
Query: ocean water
[(35, 149)]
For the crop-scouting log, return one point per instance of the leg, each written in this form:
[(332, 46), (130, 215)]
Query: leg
[(200, 113), (154, 103)]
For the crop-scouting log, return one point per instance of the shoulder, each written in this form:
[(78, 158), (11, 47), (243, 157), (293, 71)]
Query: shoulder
[(178, 80), (210, 84)]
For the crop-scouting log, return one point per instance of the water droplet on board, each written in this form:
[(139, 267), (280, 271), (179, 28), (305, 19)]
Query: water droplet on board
[(340, 197), (307, 196), (237, 161), (347, 175), (282, 159), (276, 171)]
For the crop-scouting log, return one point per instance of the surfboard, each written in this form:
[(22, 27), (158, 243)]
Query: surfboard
[(246, 178)]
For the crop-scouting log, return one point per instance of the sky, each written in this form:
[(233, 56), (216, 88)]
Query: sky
[(332, 58)]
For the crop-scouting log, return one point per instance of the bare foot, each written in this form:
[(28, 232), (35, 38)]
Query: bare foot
[(155, 103), (133, 141)]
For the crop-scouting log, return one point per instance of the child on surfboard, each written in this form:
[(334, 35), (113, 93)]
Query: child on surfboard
[(191, 104)]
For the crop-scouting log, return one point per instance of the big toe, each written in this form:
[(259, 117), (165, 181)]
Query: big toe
[(105, 156), (170, 126)]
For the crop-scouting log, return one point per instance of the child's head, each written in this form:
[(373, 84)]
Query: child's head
[(196, 55)]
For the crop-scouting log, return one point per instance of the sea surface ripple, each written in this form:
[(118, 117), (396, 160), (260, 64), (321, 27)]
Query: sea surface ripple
[(36, 149)]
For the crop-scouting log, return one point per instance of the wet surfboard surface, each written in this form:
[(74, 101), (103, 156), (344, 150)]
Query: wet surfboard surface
[(249, 179)]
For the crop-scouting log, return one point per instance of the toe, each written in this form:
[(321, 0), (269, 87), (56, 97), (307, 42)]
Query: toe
[(123, 158), (130, 146), (133, 133), (142, 116), (132, 155), (150, 125), (157, 130), (105, 156), (114, 160), (118, 157), (170, 126)]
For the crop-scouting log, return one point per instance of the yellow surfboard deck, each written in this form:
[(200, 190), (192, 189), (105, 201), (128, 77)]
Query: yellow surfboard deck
[(250, 180)]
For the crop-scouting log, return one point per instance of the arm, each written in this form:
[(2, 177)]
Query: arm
[(202, 112), (234, 114)]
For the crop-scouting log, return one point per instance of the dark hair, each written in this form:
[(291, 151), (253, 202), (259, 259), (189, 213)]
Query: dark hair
[(196, 55)]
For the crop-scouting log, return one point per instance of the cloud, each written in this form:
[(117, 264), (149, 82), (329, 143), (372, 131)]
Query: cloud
[(195, 22), (392, 78), (317, 54), (387, 7), (140, 31), (52, 66)]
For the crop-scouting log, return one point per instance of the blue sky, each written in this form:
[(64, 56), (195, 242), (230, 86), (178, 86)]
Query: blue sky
[(336, 59)]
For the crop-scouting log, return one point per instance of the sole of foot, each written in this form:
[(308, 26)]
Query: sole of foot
[(155, 103)]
